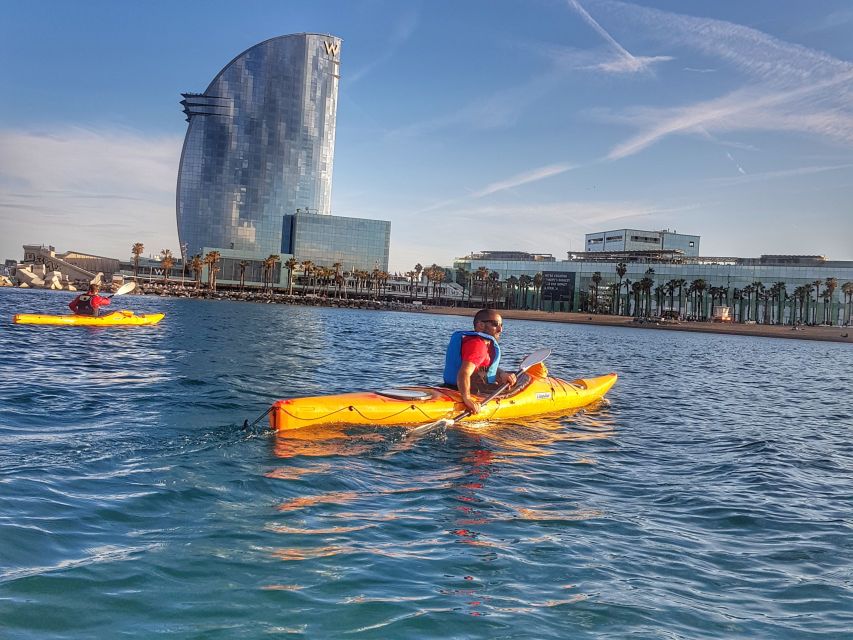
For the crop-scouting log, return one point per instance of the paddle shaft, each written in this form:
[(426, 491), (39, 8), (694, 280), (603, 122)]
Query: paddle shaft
[(485, 401)]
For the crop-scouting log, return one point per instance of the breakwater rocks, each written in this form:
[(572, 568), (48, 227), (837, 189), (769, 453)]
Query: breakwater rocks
[(306, 299)]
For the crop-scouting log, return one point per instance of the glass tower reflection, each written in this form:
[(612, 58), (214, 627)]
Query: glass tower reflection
[(259, 145)]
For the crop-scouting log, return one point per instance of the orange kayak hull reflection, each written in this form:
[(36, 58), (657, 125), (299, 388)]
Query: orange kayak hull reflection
[(413, 406)]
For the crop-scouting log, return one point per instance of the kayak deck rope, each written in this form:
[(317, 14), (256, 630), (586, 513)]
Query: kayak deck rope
[(353, 408)]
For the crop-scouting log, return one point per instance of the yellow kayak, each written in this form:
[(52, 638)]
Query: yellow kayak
[(116, 318), (413, 406)]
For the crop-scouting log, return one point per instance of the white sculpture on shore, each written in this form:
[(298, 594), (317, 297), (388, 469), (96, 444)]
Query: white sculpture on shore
[(37, 276)]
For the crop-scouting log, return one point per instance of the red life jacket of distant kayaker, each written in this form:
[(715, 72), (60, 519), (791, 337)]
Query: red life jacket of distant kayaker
[(84, 305), (87, 305)]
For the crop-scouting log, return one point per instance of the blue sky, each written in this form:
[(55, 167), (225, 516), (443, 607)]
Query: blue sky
[(479, 125)]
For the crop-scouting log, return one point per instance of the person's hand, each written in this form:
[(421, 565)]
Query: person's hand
[(472, 405), (505, 377)]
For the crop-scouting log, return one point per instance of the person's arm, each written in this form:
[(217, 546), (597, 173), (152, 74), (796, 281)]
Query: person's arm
[(73, 305), (100, 301), (463, 383)]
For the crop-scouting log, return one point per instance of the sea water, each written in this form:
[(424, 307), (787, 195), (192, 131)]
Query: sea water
[(709, 496)]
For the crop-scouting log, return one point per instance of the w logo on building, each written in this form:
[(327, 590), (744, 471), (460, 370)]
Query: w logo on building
[(333, 48)]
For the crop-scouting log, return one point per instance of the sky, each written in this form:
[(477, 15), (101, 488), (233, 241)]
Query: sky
[(470, 125)]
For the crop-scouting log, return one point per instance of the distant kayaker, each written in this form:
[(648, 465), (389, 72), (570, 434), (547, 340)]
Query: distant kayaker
[(473, 357), (87, 304)]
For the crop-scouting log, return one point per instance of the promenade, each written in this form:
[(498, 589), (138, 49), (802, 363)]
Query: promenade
[(829, 334)]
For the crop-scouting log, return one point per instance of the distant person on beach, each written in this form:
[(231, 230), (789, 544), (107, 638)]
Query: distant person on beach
[(473, 358), (88, 304)]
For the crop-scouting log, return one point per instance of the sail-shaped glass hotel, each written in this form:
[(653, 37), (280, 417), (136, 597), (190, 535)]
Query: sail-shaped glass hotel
[(259, 149)]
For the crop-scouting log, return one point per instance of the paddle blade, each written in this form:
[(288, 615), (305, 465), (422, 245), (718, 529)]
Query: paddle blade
[(125, 288), (426, 428), (537, 357)]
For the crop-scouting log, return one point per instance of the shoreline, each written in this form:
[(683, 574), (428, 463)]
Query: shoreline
[(825, 334)]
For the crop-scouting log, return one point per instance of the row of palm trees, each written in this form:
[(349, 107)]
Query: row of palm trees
[(770, 304), (756, 301)]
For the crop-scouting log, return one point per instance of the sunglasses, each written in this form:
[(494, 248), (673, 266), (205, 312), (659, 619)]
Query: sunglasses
[(494, 323)]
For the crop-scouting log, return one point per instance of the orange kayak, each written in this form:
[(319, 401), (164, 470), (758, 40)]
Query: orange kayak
[(413, 406)]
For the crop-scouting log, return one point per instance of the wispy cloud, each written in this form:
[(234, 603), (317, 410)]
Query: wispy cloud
[(787, 87), (518, 180), (501, 109), (624, 61), (401, 31), (527, 177), (736, 163), (778, 175), (87, 189)]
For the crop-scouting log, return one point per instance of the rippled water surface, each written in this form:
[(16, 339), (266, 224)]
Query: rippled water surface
[(708, 497)]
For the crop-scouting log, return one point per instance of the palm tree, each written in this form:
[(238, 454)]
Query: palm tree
[(437, 278), (748, 290), (243, 265), (831, 285), (524, 282), (212, 260), (596, 280), (660, 298), (817, 285), (136, 250), (779, 296), (482, 275), (621, 270), (847, 288), (168, 262), (272, 260), (336, 267), (510, 300), (646, 284), (462, 276), (196, 265), (537, 290), (757, 289), (807, 293), (636, 289), (628, 286), (680, 282), (291, 264), (418, 270), (670, 289), (411, 276), (308, 270)]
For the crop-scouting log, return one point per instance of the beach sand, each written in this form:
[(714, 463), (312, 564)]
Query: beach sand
[(829, 334)]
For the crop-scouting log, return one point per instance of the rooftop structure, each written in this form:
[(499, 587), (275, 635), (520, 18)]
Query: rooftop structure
[(634, 240)]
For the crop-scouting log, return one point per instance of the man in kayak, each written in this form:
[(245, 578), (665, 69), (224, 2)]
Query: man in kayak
[(87, 304), (473, 358)]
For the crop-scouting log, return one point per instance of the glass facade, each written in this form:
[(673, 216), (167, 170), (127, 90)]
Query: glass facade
[(355, 243), (734, 276), (259, 145)]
